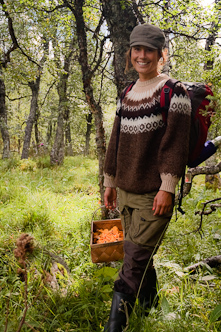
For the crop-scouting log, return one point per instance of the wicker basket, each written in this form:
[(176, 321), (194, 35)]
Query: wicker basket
[(106, 252)]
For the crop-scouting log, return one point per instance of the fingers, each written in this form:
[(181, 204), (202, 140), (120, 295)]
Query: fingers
[(110, 196), (163, 203)]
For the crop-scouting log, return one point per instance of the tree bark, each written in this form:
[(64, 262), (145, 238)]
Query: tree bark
[(121, 20), (58, 149), (88, 134), (3, 119), (63, 124), (57, 152), (34, 86), (167, 65), (68, 142), (207, 170), (49, 132), (210, 41), (37, 139)]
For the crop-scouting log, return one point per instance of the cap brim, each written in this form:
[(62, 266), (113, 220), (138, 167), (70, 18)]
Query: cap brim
[(141, 43)]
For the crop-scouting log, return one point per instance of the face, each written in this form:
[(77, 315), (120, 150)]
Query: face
[(145, 61)]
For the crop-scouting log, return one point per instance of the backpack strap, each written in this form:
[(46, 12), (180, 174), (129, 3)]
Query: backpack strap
[(123, 94), (180, 196), (165, 97)]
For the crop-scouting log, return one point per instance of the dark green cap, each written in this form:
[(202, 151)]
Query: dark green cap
[(147, 35)]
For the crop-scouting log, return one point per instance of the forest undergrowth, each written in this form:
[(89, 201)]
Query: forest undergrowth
[(47, 280)]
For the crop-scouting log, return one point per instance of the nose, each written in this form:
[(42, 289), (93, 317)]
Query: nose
[(142, 53)]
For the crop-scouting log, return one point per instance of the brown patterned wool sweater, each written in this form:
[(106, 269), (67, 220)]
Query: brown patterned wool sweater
[(151, 155)]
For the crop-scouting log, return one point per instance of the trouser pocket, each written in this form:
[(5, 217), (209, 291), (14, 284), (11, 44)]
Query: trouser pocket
[(126, 215), (146, 229)]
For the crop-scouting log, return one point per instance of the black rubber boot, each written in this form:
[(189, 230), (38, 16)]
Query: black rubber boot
[(148, 295), (121, 308)]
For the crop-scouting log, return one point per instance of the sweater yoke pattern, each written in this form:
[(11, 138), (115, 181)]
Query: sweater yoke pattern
[(151, 154)]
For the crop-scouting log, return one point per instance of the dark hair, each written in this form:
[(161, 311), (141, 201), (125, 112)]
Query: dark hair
[(161, 53)]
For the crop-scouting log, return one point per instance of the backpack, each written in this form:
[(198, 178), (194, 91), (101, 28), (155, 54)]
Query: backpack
[(201, 113)]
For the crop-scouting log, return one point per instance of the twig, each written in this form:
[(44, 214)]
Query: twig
[(213, 208), (31, 327), (203, 212)]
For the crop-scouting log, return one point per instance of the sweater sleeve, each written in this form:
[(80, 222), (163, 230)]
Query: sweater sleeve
[(110, 163), (174, 147)]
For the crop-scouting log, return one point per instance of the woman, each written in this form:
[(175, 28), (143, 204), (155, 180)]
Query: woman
[(145, 160)]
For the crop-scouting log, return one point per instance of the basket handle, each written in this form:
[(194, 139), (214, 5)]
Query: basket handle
[(100, 207)]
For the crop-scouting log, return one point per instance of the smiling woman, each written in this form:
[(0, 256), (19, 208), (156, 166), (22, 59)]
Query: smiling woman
[(145, 159), (145, 61)]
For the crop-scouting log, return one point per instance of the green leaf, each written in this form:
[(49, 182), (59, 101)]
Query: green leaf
[(215, 314), (106, 289), (165, 306), (106, 272)]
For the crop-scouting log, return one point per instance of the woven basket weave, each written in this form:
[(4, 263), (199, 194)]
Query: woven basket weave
[(106, 252)]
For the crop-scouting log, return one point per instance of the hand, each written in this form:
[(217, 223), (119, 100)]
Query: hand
[(110, 197), (163, 203)]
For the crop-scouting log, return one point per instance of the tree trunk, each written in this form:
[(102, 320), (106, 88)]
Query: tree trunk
[(34, 86), (167, 66), (49, 132), (57, 152), (37, 140), (210, 41), (88, 134), (63, 125), (68, 143), (58, 149), (87, 74), (3, 119), (121, 20)]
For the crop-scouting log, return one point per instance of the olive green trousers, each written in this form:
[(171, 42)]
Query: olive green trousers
[(143, 233)]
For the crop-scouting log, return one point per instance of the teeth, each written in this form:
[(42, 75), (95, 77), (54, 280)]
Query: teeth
[(142, 63)]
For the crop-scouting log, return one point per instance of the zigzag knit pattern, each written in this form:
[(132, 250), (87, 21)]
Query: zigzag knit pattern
[(150, 155)]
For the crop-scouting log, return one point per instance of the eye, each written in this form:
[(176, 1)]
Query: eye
[(150, 50), (136, 48)]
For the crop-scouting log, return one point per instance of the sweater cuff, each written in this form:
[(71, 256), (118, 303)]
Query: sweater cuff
[(109, 181), (169, 183)]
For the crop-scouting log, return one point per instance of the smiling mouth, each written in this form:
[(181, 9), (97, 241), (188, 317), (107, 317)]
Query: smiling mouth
[(142, 63)]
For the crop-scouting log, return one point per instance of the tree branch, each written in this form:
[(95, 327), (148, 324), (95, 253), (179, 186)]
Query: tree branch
[(100, 56), (137, 12), (207, 170), (13, 38), (212, 262), (19, 98), (203, 212)]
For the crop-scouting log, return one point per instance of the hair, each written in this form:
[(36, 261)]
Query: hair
[(161, 52)]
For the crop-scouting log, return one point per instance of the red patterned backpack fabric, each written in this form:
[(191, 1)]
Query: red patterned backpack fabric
[(200, 115)]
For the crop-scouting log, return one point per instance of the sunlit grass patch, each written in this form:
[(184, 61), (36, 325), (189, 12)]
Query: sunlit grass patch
[(55, 205)]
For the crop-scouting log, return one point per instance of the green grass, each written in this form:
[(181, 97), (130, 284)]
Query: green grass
[(55, 206)]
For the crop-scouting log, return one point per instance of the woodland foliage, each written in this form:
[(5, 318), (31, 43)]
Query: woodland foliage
[(73, 63), (61, 71), (62, 61), (48, 282)]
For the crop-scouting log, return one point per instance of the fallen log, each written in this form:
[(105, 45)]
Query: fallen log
[(213, 261)]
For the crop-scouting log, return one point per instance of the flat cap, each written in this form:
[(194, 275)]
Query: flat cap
[(147, 35)]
